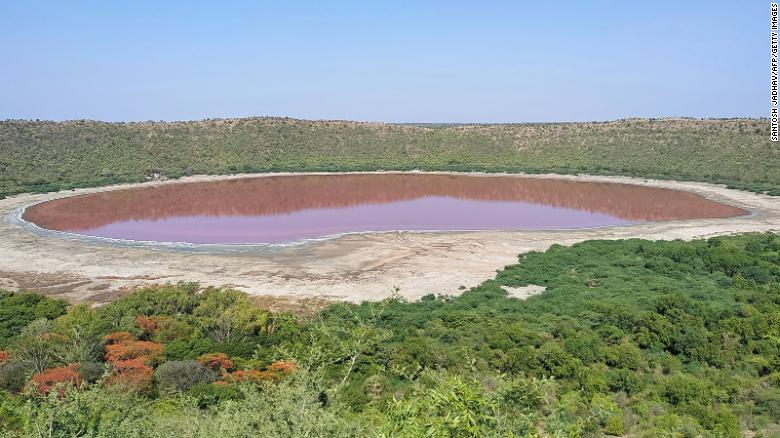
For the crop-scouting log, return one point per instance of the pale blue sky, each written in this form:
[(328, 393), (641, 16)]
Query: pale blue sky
[(448, 61)]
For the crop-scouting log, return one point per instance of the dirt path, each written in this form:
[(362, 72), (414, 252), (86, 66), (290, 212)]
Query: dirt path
[(352, 267)]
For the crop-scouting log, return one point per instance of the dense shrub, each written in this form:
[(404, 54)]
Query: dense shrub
[(133, 374), (123, 348), (17, 310), (51, 378), (181, 375), (211, 394), (14, 375), (47, 156), (92, 371), (216, 361)]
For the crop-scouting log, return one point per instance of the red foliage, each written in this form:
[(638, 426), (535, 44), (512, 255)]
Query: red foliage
[(133, 350), (275, 371), (117, 337), (130, 359), (45, 381), (216, 361), (3, 356), (283, 367), (133, 373), (148, 324), (246, 376)]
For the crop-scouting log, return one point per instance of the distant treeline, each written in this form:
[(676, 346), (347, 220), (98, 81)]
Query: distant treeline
[(631, 338), (41, 156)]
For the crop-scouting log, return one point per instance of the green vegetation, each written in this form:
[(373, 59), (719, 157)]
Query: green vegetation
[(631, 338), (46, 156)]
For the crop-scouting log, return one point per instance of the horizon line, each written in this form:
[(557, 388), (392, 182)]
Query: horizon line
[(442, 123)]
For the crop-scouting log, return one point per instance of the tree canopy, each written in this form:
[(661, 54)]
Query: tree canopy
[(630, 338)]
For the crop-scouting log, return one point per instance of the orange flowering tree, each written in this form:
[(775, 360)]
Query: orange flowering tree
[(216, 361), (283, 367), (132, 359), (133, 373), (275, 371), (45, 381), (121, 346), (148, 324), (149, 351)]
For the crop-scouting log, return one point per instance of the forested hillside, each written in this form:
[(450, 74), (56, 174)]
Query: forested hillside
[(631, 338), (46, 156)]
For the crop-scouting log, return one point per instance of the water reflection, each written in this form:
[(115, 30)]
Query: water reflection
[(284, 208)]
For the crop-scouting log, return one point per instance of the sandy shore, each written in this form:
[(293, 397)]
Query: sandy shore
[(352, 267)]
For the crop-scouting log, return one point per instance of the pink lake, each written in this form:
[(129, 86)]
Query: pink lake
[(284, 209)]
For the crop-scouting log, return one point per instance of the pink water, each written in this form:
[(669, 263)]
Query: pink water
[(286, 209)]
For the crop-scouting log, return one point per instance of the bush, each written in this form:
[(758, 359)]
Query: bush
[(162, 329), (181, 375), (17, 310), (10, 419), (210, 394), (133, 374), (624, 380), (51, 378), (555, 361), (624, 355), (376, 386), (14, 374), (614, 426), (92, 371), (216, 361), (682, 389), (120, 348)]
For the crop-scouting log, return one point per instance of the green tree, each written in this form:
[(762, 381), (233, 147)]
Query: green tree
[(181, 375), (35, 345), (227, 314), (453, 407)]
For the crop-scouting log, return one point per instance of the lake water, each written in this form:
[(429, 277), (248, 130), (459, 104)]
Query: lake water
[(281, 209)]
